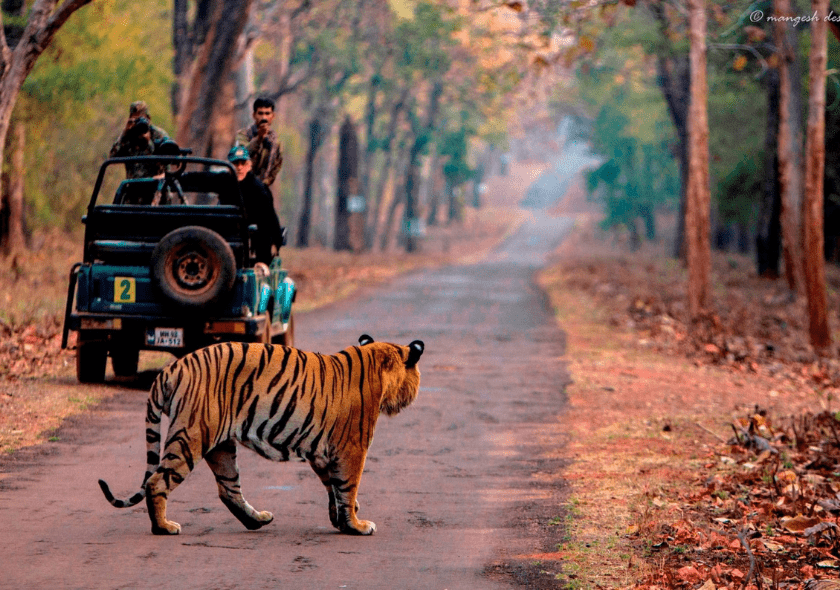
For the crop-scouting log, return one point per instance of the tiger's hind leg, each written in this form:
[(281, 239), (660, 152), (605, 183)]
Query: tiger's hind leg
[(178, 461), (222, 461)]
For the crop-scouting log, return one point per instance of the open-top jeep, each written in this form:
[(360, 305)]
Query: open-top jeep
[(168, 265)]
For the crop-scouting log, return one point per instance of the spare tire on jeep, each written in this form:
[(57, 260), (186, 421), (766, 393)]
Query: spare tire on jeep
[(194, 267)]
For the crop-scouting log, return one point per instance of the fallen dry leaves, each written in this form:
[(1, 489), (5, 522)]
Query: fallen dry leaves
[(764, 513), (739, 487)]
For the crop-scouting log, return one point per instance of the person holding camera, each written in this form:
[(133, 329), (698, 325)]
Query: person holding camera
[(262, 143), (139, 138)]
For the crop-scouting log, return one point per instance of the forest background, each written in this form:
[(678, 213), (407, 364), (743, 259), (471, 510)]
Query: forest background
[(436, 94)]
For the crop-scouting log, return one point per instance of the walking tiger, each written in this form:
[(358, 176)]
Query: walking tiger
[(279, 402)]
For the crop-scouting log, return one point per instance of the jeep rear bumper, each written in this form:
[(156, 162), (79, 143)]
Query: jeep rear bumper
[(140, 331)]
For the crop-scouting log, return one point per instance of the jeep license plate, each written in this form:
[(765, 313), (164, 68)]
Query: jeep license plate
[(166, 337)]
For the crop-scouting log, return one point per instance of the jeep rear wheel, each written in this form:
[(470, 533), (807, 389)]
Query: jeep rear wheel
[(91, 358), (194, 267)]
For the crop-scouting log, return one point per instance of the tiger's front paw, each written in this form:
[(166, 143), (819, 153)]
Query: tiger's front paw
[(168, 528)]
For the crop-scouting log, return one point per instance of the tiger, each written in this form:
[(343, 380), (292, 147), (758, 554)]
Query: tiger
[(280, 402)]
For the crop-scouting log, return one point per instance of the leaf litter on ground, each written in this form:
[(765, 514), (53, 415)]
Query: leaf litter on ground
[(764, 512)]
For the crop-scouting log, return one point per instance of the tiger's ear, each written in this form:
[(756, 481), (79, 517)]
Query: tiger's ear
[(415, 349), (365, 339)]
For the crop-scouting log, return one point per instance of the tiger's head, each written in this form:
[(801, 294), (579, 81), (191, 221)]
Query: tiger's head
[(397, 369)]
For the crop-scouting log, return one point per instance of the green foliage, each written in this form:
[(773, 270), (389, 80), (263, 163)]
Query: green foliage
[(738, 189), (636, 178), (453, 148), (630, 128), (633, 130), (75, 102)]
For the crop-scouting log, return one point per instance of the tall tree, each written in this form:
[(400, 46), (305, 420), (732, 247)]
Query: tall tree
[(674, 79), (13, 229), (697, 207), (422, 136), (318, 129), (812, 204), (16, 62), (768, 228), (348, 183), (205, 57), (789, 145)]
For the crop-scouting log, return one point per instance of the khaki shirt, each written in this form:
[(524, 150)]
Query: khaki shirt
[(266, 155)]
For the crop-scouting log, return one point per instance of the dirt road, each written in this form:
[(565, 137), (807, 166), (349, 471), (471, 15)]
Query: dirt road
[(463, 484)]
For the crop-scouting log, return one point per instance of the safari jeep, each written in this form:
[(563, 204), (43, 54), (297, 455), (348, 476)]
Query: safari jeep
[(168, 266)]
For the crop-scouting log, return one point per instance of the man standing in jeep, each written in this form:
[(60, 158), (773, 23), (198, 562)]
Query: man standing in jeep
[(262, 143), (259, 206), (139, 138)]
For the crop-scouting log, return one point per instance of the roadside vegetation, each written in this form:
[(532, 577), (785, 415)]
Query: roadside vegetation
[(698, 459)]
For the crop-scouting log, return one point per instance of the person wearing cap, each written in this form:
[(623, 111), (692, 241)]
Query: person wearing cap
[(259, 206), (262, 143), (139, 138)]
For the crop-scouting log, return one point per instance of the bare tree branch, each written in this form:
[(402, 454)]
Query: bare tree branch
[(5, 52)]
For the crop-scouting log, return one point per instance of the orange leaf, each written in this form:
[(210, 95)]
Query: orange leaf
[(799, 523)]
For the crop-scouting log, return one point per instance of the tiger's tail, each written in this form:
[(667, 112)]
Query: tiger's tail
[(159, 398)]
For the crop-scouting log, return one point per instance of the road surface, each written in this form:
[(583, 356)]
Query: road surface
[(461, 484)]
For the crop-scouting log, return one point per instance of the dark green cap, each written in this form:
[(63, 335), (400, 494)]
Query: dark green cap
[(238, 153)]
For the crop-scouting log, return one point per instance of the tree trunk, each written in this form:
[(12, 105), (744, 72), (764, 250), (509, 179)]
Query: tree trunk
[(768, 237), (317, 133), (412, 178), (17, 231), (16, 63), (348, 183), (384, 171), (790, 145), (210, 71), (370, 137), (183, 50), (397, 199), (436, 189), (698, 198), (812, 206), (674, 79)]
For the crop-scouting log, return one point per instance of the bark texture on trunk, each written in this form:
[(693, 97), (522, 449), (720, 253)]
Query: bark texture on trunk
[(17, 231), (673, 69), (378, 196), (317, 134), (812, 208), (790, 146), (17, 61), (698, 252), (412, 177), (768, 238), (210, 80), (348, 183)]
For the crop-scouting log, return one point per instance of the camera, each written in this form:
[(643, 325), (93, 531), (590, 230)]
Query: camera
[(140, 127)]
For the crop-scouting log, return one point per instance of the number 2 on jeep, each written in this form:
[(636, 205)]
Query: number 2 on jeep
[(125, 290)]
